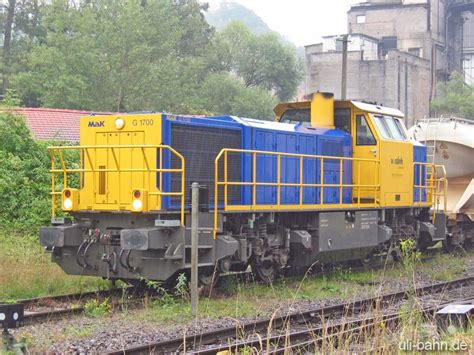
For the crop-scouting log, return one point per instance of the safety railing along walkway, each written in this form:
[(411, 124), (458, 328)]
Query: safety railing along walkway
[(436, 186), (151, 154), (363, 195)]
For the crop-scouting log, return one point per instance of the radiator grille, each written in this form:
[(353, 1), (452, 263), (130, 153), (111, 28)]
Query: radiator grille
[(200, 146)]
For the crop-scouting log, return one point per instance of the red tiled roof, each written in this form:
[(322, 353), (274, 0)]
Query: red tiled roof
[(54, 124)]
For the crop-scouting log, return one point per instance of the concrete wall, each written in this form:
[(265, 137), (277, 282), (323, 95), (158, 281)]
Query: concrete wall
[(468, 67), (368, 46), (438, 20), (468, 31), (400, 81), (410, 24), (468, 47), (416, 24), (313, 48)]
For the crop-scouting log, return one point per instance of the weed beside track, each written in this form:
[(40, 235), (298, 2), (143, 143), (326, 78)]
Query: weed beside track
[(26, 271)]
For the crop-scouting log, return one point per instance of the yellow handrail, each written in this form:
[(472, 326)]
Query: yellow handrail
[(85, 153), (300, 184), (435, 186)]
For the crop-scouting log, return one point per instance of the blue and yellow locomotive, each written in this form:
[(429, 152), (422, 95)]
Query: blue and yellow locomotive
[(327, 180)]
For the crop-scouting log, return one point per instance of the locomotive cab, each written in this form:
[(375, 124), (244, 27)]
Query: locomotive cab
[(378, 134)]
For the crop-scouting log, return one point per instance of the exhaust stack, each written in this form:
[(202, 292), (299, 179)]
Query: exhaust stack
[(322, 110)]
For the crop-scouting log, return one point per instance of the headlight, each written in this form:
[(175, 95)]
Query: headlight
[(119, 123), (137, 205), (70, 199), (139, 201), (67, 204)]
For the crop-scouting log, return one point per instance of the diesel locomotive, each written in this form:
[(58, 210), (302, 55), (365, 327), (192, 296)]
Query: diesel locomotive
[(327, 180)]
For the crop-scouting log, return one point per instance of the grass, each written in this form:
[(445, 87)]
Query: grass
[(27, 271), (459, 336), (245, 300), (445, 267), (236, 300)]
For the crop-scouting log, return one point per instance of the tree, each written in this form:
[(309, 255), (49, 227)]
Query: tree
[(122, 55), (196, 32), (7, 38), (260, 60), (21, 24), (223, 93), (457, 98), (112, 55)]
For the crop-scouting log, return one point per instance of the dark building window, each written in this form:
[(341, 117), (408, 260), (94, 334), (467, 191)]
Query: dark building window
[(415, 51), (388, 43)]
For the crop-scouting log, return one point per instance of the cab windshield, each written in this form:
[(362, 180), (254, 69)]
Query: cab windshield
[(390, 127)]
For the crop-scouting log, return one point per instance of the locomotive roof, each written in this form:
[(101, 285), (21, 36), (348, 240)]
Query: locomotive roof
[(281, 108), (378, 109)]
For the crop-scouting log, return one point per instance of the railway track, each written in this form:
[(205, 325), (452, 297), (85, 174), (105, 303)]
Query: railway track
[(309, 338), (304, 328), (43, 309)]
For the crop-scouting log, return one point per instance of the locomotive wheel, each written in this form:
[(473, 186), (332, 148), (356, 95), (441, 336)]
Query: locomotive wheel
[(451, 244), (469, 244), (208, 277), (367, 262), (447, 247), (456, 249), (395, 253), (265, 272)]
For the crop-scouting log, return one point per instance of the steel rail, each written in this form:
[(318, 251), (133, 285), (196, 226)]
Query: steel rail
[(49, 315), (33, 317), (65, 297), (181, 344), (319, 334)]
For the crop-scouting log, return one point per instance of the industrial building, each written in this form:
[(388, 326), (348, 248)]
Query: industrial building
[(398, 51)]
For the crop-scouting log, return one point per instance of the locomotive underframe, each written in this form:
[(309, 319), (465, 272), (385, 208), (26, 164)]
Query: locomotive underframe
[(460, 232), (157, 247)]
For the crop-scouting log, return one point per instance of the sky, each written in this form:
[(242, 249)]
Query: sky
[(303, 22)]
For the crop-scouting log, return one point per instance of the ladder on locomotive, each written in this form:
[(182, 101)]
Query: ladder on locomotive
[(431, 136), (430, 141)]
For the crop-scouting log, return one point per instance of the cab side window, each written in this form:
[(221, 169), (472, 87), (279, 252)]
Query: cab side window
[(342, 119), (364, 133)]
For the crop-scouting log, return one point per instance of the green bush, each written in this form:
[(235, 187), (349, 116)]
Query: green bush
[(24, 176)]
